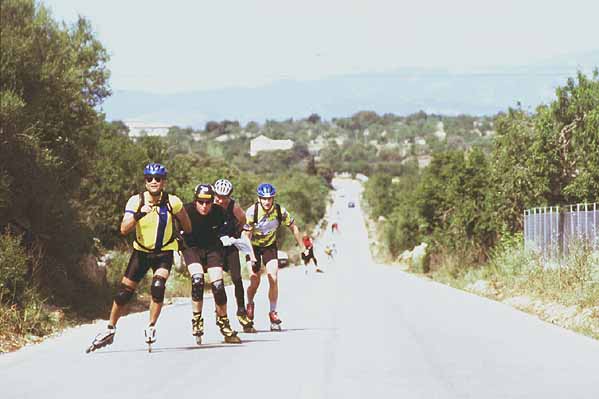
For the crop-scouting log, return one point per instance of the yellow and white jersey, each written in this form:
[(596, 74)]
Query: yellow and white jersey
[(155, 230)]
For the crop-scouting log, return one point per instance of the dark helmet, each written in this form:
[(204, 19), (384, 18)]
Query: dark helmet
[(204, 191), (155, 169), (266, 190)]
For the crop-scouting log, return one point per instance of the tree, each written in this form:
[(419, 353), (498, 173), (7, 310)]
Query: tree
[(314, 119), (551, 157), (51, 79)]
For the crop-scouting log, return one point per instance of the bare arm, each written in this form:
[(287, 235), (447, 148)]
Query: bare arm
[(247, 236), (296, 233), (239, 215), (183, 218), (127, 224)]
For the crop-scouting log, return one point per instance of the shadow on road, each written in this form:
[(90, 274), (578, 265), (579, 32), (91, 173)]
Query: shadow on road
[(174, 349), (296, 329), (187, 348)]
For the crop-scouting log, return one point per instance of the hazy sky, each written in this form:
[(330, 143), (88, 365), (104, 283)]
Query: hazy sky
[(184, 45)]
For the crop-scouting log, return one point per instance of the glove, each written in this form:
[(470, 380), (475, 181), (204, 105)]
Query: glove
[(139, 215), (306, 252), (226, 240)]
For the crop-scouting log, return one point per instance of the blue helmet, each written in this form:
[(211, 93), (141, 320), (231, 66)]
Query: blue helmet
[(266, 190), (155, 169)]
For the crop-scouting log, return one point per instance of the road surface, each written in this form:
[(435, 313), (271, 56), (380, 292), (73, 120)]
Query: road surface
[(360, 330)]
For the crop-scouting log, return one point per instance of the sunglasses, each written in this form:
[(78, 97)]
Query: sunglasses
[(204, 202), (150, 178)]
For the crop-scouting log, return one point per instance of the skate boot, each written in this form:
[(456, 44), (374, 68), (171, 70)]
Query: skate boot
[(275, 322), (244, 320), (150, 333), (250, 311), (225, 329), (197, 328), (103, 339)]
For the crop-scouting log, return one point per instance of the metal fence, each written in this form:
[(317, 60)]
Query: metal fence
[(552, 231)]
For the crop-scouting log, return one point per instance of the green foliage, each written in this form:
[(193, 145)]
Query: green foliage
[(14, 263), (117, 174), (465, 200)]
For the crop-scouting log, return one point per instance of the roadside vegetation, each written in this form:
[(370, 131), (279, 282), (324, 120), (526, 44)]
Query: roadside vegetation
[(463, 213)]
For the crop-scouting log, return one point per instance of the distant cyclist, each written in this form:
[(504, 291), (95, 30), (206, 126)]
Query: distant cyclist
[(152, 215), (204, 254), (308, 254), (234, 222), (262, 221)]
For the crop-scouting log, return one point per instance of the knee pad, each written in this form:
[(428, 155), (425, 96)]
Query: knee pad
[(124, 295), (158, 288), (197, 287), (218, 291)]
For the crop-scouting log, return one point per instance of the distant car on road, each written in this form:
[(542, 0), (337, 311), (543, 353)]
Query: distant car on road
[(351, 204)]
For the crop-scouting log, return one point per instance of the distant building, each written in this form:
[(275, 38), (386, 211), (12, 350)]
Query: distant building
[(263, 143), (424, 161), (440, 132), (316, 145), (225, 137), (151, 129)]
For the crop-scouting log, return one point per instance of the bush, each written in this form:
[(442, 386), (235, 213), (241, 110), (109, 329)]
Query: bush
[(14, 261)]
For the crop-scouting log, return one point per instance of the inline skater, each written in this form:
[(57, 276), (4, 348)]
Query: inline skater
[(330, 250), (152, 215), (204, 253), (262, 221), (308, 254), (335, 227), (234, 222)]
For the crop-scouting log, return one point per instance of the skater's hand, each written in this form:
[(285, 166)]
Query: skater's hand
[(306, 252), (226, 240), (142, 212)]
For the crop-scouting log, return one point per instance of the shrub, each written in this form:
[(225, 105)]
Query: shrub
[(14, 261)]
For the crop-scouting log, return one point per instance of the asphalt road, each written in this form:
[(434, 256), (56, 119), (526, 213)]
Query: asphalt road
[(359, 330)]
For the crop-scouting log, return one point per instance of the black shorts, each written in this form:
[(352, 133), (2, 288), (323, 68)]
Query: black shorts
[(306, 258), (231, 259), (206, 257), (140, 262), (264, 255)]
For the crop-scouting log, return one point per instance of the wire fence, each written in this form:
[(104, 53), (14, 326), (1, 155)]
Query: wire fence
[(553, 231)]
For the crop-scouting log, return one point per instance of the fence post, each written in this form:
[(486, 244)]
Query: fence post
[(526, 229), (560, 236)]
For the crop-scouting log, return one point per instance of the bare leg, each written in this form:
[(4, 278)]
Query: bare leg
[(156, 307), (272, 270), (254, 284), (117, 310), (215, 274), (196, 268)]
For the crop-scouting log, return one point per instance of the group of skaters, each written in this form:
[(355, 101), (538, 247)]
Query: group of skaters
[(210, 232)]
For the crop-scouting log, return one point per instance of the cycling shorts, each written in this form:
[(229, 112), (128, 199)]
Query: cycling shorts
[(140, 262)]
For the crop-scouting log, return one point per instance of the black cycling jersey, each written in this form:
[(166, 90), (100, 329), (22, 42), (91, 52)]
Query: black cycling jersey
[(206, 230), (232, 227)]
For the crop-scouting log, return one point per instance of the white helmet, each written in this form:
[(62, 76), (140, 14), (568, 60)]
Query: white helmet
[(223, 187)]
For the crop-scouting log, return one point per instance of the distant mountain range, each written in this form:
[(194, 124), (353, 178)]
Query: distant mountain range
[(405, 91)]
